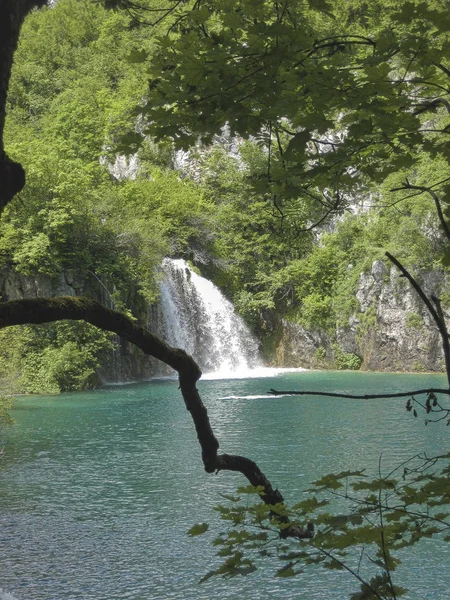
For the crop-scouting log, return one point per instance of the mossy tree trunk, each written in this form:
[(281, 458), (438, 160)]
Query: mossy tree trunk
[(12, 15)]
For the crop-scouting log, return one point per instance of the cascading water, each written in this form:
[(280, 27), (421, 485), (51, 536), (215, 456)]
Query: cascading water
[(195, 316)]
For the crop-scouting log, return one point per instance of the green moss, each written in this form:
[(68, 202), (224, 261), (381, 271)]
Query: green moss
[(346, 361), (320, 354), (414, 321), (270, 343), (417, 366), (367, 321)]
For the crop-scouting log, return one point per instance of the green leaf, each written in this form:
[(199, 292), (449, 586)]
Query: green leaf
[(333, 565), (446, 258), (129, 143), (309, 505), (136, 56), (230, 498), (297, 146), (395, 515), (360, 129), (294, 555), (375, 485), (251, 489), (377, 72), (198, 529), (328, 482), (286, 571)]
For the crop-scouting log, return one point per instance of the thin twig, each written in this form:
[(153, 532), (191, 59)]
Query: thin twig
[(440, 322), (428, 190), (383, 541), (354, 573)]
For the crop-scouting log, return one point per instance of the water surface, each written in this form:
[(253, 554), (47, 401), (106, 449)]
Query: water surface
[(98, 489)]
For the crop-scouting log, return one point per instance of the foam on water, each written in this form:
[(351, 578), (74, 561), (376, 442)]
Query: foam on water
[(6, 595), (246, 373)]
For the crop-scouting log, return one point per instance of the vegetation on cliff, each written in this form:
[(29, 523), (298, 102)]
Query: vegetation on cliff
[(237, 204)]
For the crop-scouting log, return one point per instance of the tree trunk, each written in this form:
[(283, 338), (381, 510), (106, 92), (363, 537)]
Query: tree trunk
[(12, 15)]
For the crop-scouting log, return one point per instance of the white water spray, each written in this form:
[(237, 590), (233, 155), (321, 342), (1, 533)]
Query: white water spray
[(196, 316), (6, 595)]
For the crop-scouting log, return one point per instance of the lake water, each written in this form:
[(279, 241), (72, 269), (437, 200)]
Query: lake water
[(98, 489)]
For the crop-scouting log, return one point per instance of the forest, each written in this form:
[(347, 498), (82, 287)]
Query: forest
[(289, 152), (283, 245)]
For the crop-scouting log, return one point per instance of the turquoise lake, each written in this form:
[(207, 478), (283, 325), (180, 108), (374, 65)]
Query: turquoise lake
[(98, 489)]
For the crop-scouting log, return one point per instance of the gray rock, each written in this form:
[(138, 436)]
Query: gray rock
[(125, 362), (391, 331)]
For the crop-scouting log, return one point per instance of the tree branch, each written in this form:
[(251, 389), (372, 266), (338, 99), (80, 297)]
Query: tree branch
[(438, 317), (12, 15), (428, 190), (47, 310), (436, 314)]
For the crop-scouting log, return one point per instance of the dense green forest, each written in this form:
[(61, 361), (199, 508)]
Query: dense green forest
[(79, 73)]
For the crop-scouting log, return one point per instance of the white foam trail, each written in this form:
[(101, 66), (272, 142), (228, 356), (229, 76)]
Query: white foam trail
[(259, 372), (257, 397)]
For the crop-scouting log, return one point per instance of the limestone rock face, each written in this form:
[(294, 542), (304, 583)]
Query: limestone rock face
[(126, 362), (391, 331), (299, 347), (15, 286), (401, 334)]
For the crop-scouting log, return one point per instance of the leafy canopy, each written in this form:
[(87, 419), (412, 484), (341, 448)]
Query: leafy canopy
[(341, 94)]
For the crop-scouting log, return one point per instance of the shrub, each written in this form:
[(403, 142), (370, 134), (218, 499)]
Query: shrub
[(346, 361)]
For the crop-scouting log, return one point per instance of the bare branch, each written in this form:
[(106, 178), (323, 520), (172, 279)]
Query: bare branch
[(442, 68), (47, 310), (440, 322), (366, 585), (428, 190), (133, 9)]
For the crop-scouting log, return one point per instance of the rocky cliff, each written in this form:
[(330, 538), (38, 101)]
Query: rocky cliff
[(125, 362), (391, 331)]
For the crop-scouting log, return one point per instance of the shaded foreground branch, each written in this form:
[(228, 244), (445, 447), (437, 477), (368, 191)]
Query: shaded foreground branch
[(12, 15), (435, 311), (46, 310)]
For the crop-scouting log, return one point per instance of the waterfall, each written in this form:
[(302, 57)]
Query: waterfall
[(194, 315)]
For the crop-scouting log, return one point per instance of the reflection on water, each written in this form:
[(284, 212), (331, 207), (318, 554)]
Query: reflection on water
[(98, 489)]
